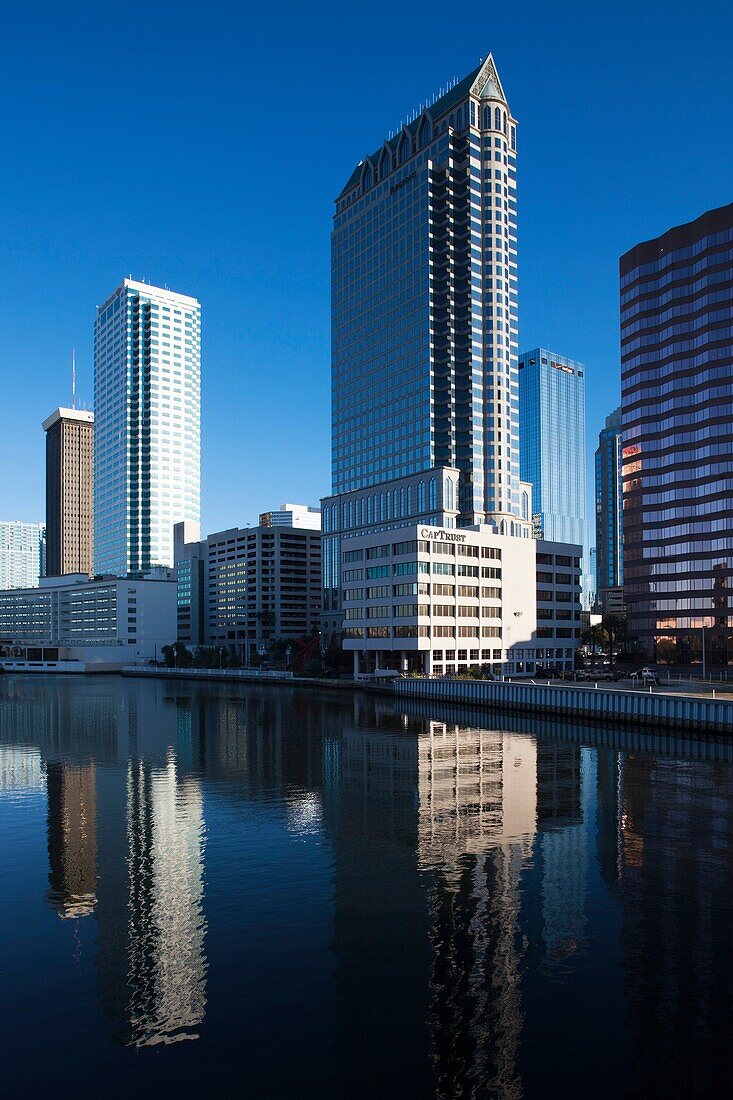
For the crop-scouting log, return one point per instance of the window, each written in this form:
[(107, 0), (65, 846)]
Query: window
[(376, 552), (432, 493), (448, 490), (421, 496)]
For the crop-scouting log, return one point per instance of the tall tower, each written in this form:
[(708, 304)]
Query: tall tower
[(609, 515), (69, 492), (147, 400), (552, 449), (677, 410), (424, 326)]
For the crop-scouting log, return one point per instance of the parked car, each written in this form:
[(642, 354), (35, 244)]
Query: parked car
[(645, 676)]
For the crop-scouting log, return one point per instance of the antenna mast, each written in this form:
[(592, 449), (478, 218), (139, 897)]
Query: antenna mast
[(73, 378)]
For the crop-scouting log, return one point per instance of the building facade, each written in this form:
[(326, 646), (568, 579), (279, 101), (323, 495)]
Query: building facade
[(677, 414), (69, 492), (22, 553), (609, 515), (243, 589), (552, 450), (147, 401), (292, 515), (440, 600), (102, 624)]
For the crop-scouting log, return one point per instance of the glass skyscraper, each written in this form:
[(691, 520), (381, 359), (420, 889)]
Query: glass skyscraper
[(552, 449), (425, 400), (677, 407), (22, 554), (147, 404), (609, 513)]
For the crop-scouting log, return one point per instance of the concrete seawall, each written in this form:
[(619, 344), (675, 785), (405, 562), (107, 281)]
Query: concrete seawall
[(677, 712)]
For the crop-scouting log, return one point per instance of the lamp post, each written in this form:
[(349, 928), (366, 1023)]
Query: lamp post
[(704, 666)]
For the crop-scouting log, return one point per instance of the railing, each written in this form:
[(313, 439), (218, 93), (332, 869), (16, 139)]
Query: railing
[(208, 673), (675, 711)]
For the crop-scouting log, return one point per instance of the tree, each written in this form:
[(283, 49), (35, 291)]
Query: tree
[(168, 656)]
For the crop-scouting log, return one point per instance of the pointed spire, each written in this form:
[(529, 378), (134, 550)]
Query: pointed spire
[(487, 84)]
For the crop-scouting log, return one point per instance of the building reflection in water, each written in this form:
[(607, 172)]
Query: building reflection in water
[(461, 861), (125, 843), (478, 808), (72, 838)]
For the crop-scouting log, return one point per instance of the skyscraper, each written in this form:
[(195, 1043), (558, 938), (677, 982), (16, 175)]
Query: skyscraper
[(609, 515), (147, 401), (425, 402), (69, 492), (552, 448), (424, 304), (22, 553), (677, 410)]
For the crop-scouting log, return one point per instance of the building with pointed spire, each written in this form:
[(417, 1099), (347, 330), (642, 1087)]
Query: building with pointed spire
[(425, 398)]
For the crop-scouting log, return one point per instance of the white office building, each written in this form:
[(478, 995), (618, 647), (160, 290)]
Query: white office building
[(293, 515), (91, 625), (147, 405), (22, 553)]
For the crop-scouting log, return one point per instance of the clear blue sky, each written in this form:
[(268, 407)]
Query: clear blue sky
[(201, 145)]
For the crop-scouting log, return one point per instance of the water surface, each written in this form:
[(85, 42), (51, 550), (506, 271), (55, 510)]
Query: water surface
[(270, 891)]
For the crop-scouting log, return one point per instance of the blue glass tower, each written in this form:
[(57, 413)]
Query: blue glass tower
[(552, 449), (609, 510)]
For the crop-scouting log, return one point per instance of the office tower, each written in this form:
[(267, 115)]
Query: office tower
[(677, 411), (22, 554), (425, 403), (292, 515), (243, 589), (147, 402), (69, 492), (609, 516), (429, 219), (552, 449)]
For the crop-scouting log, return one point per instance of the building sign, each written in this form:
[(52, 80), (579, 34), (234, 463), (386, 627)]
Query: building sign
[(402, 182), (440, 535)]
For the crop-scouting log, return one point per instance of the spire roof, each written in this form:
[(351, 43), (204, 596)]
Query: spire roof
[(482, 82)]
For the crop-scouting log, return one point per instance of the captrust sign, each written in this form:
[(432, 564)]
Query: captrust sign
[(438, 534)]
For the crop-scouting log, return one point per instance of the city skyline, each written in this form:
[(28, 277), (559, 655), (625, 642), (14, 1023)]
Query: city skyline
[(242, 276)]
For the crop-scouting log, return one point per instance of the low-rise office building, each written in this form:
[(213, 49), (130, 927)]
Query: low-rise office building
[(245, 588), (99, 624), (444, 600)]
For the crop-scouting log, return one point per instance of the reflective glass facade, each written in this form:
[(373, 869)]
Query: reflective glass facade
[(147, 448), (424, 304), (552, 448), (609, 507), (677, 409)]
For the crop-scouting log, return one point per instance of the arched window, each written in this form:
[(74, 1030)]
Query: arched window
[(511, 527), (409, 501), (368, 510), (433, 493), (487, 118), (525, 505), (497, 118), (473, 113), (503, 121), (503, 527), (388, 506), (402, 502), (448, 494), (421, 495), (425, 132), (395, 504), (368, 177), (514, 137), (334, 518), (452, 122), (405, 149), (385, 166), (344, 515)]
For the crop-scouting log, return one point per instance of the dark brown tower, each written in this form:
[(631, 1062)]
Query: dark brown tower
[(69, 492)]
